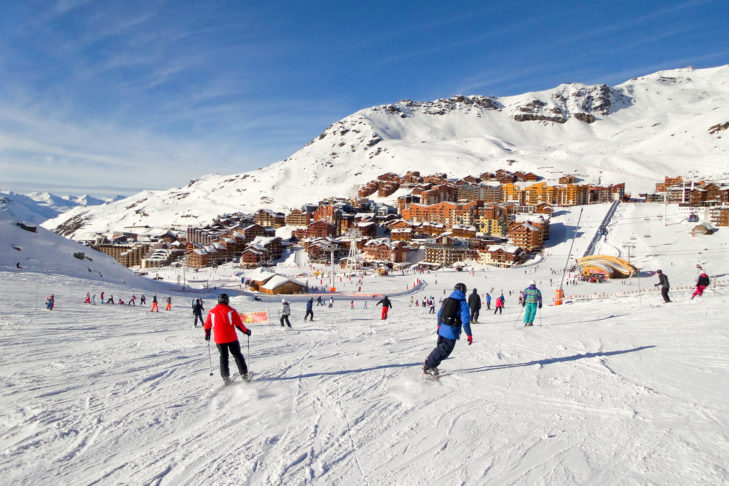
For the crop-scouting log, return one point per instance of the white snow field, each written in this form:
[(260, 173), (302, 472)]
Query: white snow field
[(617, 388)]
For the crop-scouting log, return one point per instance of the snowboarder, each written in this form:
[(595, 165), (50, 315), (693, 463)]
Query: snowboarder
[(223, 320), (665, 286), (701, 284), (155, 307), (488, 301), (285, 311), (453, 314), (197, 311), (309, 309), (110, 300), (474, 304), (169, 304), (386, 305), (532, 299)]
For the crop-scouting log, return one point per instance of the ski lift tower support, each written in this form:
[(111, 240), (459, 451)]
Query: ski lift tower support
[(331, 248)]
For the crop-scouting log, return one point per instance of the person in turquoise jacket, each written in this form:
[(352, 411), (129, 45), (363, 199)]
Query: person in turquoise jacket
[(532, 299), (449, 329)]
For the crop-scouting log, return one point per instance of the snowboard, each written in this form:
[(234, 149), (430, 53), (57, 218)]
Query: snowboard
[(429, 377)]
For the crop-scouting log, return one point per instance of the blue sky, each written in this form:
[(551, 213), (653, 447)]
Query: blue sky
[(111, 97)]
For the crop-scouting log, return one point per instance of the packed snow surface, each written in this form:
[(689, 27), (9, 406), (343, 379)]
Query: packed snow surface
[(613, 387)]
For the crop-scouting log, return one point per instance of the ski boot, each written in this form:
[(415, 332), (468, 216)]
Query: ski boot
[(226, 380)]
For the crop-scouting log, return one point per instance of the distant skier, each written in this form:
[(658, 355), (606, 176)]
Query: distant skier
[(133, 301), (142, 300), (110, 300), (87, 299), (223, 320), (319, 301), (155, 307), (309, 309), (50, 302), (102, 297), (169, 304), (499, 305), (665, 286), (197, 310), (331, 302), (488, 301), (532, 299), (474, 304), (285, 312), (453, 314), (701, 285), (386, 305)]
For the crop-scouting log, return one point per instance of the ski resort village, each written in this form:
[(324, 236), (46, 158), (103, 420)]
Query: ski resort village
[(499, 219)]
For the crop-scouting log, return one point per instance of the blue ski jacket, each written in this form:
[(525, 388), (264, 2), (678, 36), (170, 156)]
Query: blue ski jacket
[(454, 332)]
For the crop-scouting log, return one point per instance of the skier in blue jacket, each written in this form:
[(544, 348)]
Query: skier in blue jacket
[(449, 329)]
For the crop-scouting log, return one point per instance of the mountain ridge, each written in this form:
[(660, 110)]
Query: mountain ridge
[(636, 132)]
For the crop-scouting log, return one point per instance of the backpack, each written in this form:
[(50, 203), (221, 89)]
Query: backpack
[(450, 312)]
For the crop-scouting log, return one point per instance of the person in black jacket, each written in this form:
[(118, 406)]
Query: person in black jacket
[(197, 310), (474, 303), (701, 284), (665, 286), (386, 305)]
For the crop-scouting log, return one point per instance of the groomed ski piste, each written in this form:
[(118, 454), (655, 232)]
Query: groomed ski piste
[(613, 387)]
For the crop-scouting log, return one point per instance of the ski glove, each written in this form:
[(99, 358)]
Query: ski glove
[(540, 306), (247, 332), (470, 340), (207, 334)]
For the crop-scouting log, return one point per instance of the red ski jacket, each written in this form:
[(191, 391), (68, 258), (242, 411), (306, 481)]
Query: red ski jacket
[(223, 319)]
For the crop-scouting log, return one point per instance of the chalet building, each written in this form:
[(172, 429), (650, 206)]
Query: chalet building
[(197, 258), (368, 189), (445, 254), (320, 229), (502, 256), (401, 234), (319, 250), (567, 179), (387, 188), (389, 177), (367, 229), (384, 250), (492, 220), (269, 246), (252, 231), (204, 236), (526, 236), (459, 231), (272, 219), (719, 216), (162, 257), (668, 182), (297, 217), (282, 285), (253, 257)]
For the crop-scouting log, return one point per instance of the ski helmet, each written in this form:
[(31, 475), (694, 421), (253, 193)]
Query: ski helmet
[(223, 299), (532, 282), (461, 287)]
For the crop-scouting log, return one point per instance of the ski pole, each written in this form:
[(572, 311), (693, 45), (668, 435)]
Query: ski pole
[(210, 359), (249, 347)]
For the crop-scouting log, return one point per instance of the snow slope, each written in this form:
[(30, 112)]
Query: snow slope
[(614, 387), (637, 132)]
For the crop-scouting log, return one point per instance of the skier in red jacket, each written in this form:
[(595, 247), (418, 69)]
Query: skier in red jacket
[(222, 320)]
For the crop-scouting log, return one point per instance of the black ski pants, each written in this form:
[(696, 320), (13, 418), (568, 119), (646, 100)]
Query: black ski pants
[(198, 315), (443, 349), (664, 293), (309, 312), (285, 318), (474, 315), (234, 348)]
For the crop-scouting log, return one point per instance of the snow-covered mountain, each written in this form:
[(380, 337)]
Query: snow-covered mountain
[(666, 123), (37, 207)]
